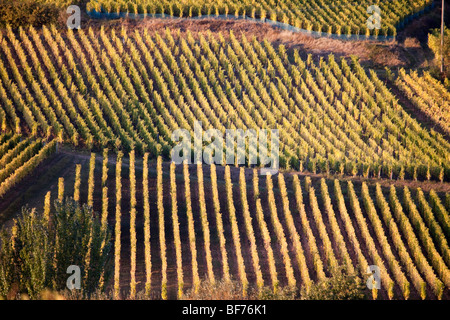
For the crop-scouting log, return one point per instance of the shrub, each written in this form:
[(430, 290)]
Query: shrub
[(434, 42), (340, 286), (284, 293), (27, 12), (35, 254)]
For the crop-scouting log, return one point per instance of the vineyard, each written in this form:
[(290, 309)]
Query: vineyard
[(332, 17), (91, 117), (428, 95), (172, 228), (19, 156), (130, 90)]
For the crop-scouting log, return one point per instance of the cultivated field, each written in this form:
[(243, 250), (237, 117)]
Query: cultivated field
[(364, 149), (130, 90), (175, 225), (19, 156), (332, 17)]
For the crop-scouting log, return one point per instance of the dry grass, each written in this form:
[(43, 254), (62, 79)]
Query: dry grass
[(412, 43)]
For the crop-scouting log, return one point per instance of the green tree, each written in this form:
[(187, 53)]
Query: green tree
[(35, 253), (434, 42), (342, 285)]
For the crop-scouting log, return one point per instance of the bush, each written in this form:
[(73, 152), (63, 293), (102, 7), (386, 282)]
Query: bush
[(36, 253), (340, 286), (284, 293), (28, 12), (434, 43)]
